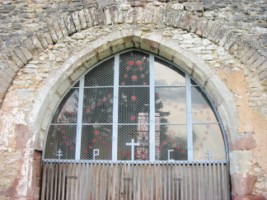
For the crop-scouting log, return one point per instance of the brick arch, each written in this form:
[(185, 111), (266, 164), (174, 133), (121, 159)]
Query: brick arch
[(140, 15)]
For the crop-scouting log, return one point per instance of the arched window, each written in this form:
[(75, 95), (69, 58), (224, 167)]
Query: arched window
[(135, 107)]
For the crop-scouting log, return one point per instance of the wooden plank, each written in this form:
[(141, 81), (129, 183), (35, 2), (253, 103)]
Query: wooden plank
[(44, 181)]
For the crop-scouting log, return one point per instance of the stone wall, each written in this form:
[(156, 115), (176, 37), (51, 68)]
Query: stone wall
[(43, 52)]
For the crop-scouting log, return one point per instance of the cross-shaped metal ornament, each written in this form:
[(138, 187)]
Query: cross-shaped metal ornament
[(132, 144), (59, 154)]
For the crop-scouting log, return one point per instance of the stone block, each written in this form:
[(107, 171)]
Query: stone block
[(245, 141), (241, 162), (26, 52), (201, 27), (88, 18), (16, 60), (53, 33), (20, 55), (242, 184), (108, 17), (37, 44), (69, 23), (247, 55), (30, 46), (62, 26), (48, 38), (22, 135), (150, 42), (76, 20), (82, 19), (258, 62)]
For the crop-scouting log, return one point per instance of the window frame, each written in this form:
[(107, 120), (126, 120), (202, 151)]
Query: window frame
[(189, 121)]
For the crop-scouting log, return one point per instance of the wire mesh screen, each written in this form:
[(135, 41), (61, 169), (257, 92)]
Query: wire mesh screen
[(67, 109), (167, 75), (201, 108), (134, 69), (208, 142), (171, 104), (132, 101), (172, 142), (96, 142), (61, 142), (133, 141), (97, 105), (102, 75)]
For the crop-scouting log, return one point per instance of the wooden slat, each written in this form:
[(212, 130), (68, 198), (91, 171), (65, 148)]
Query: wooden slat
[(199, 181)]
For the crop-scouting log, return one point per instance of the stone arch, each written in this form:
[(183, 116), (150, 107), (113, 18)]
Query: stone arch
[(58, 84), (173, 15)]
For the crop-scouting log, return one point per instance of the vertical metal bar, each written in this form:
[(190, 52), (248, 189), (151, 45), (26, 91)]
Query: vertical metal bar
[(189, 118), (115, 108), (55, 180), (152, 108), (79, 120)]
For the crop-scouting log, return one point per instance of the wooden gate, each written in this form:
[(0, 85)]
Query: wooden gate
[(179, 181)]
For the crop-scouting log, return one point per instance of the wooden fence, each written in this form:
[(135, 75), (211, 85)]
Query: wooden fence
[(183, 181)]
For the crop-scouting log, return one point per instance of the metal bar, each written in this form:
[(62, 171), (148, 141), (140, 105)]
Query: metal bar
[(115, 109), (152, 108), (55, 180), (189, 118), (44, 182), (79, 120)]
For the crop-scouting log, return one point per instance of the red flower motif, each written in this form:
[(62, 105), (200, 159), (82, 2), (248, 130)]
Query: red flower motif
[(125, 76), (133, 118), (94, 140), (138, 62), (99, 137), (142, 76), (90, 147), (183, 151), (130, 62), (141, 69), (104, 142), (96, 132), (134, 78), (133, 98), (85, 151)]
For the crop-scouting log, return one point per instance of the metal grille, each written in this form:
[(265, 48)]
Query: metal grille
[(102, 75), (167, 75), (107, 115), (133, 142), (67, 110), (97, 105), (208, 142), (134, 69), (173, 142), (171, 104), (96, 142), (132, 101), (201, 109), (61, 142)]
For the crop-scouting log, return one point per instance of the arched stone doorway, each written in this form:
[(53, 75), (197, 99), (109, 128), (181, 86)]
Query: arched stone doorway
[(102, 143)]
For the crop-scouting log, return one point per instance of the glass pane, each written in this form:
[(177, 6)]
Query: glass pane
[(201, 109), (167, 76), (97, 105), (133, 140), (101, 75), (67, 110), (61, 142), (132, 102), (171, 142), (171, 104), (96, 142), (208, 142), (134, 69)]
